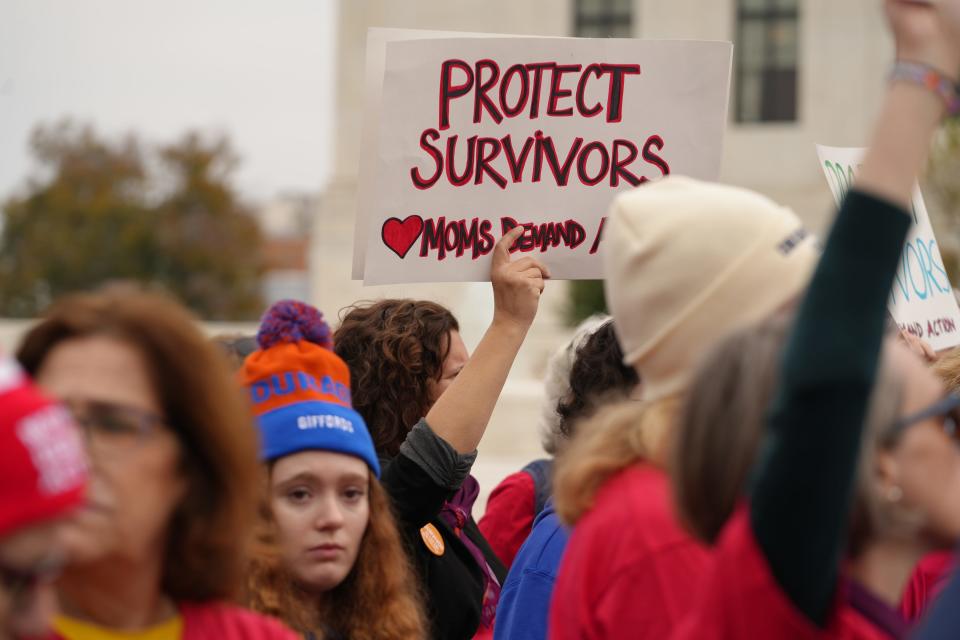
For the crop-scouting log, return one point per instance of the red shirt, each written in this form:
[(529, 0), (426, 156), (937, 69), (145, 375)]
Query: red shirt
[(509, 516), (926, 582), (203, 621), (629, 570), (740, 599)]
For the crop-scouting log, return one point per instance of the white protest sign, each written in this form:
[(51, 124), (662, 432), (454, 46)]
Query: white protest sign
[(922, 300), (481, 134), (377, 39)]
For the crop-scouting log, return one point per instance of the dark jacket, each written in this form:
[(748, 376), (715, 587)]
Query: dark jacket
[(425, 473)]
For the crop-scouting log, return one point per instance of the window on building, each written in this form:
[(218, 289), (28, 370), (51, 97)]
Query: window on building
[(603, 18), (767, 51), (596, 19)]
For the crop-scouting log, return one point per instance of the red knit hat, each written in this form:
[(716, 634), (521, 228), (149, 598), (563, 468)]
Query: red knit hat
[(43, 469)]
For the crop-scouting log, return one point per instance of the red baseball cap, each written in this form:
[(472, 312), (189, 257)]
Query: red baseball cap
[(43, 467)]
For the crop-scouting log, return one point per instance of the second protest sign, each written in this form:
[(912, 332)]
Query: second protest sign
[(922, 300)]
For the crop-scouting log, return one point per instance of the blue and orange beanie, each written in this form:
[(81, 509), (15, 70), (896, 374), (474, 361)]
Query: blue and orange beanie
[(301, 389)]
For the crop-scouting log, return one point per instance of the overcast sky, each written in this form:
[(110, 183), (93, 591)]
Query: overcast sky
[(261, 71)]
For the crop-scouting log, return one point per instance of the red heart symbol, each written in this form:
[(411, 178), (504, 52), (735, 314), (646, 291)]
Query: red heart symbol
[(400, 236)]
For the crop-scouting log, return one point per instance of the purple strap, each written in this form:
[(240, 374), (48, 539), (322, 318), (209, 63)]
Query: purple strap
[(456, 512), (876, 611)]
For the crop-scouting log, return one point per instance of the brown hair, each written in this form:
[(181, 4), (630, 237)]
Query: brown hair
[(394, 348), (722, 424), (203, 407), (378, 600), (615, 437)]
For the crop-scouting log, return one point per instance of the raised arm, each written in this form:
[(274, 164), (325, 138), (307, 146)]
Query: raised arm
[(802, 487), (461, 414), (927, 33)]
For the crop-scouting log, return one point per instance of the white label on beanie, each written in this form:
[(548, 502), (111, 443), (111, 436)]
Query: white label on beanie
[(480, 135), (324, 421), (922, 301), (55, 449)]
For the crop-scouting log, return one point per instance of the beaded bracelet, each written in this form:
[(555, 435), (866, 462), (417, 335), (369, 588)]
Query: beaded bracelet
[(931, 78)]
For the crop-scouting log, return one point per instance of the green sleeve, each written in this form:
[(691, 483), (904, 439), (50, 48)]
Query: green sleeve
[(802, 486)]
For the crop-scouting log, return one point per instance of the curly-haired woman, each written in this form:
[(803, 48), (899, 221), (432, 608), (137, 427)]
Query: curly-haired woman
[(329, 561), (427, 404)]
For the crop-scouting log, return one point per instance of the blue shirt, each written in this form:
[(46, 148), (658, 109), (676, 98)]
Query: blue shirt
[(524, 606)]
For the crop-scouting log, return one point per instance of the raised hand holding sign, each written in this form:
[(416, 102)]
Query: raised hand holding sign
[(517, 284)]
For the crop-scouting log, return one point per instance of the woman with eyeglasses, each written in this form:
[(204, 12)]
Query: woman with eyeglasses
[(174, 471), (43, 474), (931, 574), (892, 525), (822, 546)]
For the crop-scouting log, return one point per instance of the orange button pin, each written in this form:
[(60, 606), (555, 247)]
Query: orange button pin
[(433, 539)]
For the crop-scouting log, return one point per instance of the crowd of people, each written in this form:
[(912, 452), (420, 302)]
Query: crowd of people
[(745, 448)]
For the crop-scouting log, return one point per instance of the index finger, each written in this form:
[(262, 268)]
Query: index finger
[(501, 253)]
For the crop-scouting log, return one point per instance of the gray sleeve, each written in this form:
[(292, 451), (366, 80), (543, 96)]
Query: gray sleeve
[(436, 457)]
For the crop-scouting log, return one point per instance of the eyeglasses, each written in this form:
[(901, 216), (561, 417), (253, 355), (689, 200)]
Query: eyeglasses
[(112, 428), (20, 584), (948, 408)]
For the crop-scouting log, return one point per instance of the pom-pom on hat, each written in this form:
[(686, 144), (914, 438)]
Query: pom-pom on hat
[(43, 467), (300, 388)]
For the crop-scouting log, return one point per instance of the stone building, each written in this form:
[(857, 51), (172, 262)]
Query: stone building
[(805, 72), (285, 222)]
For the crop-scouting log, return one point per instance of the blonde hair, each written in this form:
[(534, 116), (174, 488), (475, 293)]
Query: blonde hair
[(724, 422), (947, 368), (617, 436), (722, 425), (873, 513)]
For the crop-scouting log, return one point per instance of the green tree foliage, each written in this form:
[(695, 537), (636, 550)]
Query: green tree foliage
[(209, 242), (942, 189), (102, 211), (585, 299)]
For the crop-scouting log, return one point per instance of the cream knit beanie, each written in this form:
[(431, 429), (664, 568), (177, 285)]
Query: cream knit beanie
[(687, 262)]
